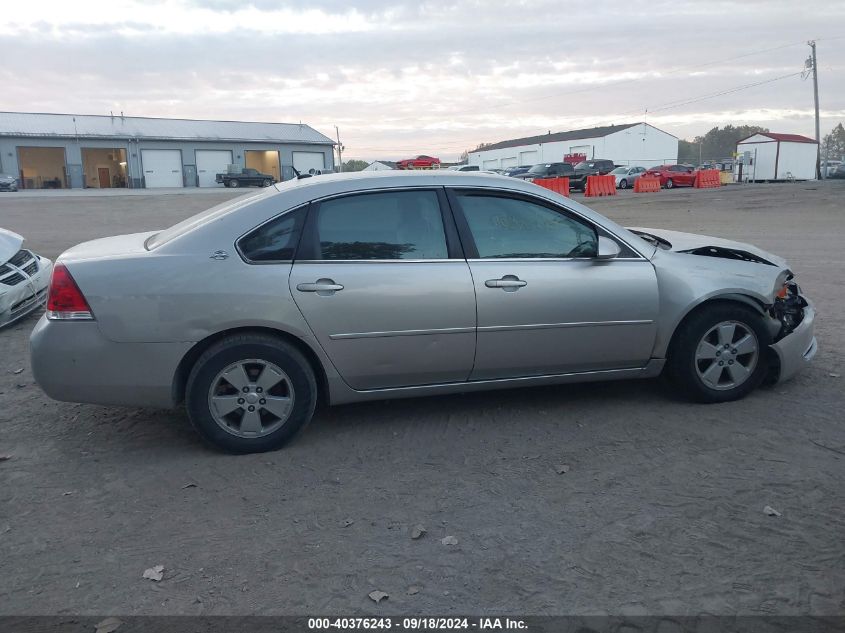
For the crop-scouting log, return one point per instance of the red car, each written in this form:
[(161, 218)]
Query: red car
[(420, 162), (673, 175)]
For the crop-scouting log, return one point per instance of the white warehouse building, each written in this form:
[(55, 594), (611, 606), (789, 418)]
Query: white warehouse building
[(774, 156), (638, 144)]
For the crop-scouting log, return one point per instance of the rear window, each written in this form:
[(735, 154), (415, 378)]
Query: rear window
[(177, 230)]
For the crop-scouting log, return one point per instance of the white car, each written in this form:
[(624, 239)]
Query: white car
[(24, 277), (8, 182), (625, 176)]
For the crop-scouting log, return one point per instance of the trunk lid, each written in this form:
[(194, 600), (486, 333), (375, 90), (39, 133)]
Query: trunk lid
[(131, 244)]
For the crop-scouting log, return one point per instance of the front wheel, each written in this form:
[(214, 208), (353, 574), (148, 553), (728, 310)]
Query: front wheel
[(234, 184), (720, 353), (623, 184), (266, 183), (250, 393), (670, 184)]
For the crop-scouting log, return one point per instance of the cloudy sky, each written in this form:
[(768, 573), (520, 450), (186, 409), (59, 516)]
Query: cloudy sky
[(429, 77)]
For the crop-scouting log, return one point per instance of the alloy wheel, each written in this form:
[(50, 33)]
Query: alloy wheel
[(251, 398), (727, 355)]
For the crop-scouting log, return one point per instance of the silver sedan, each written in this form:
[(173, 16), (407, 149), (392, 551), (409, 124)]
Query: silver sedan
[(627, 176), (380, 285)]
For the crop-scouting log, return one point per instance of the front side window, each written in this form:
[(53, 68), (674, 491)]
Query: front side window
[(389, 225), (505, 227), (274, 241)]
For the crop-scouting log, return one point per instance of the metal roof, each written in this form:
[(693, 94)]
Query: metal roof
[(778, 136), (107, 127), (572, 135)]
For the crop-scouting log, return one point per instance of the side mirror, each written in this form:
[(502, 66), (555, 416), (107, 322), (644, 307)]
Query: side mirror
[(608, 248)]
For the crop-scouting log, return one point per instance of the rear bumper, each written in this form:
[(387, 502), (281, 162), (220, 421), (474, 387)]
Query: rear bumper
[(797, 349), (72, 361)]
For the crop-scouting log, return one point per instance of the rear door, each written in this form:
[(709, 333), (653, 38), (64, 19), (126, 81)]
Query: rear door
[(682, 175), (545, 305), (382, 282)]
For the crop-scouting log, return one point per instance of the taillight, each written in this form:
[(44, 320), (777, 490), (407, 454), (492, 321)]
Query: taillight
[(65, 300)]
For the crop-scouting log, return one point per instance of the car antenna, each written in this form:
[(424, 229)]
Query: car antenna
[(299, 176)]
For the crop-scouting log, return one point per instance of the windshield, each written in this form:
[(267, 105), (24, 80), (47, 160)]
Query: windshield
[(584, 165), (620, 170), (540, 169)]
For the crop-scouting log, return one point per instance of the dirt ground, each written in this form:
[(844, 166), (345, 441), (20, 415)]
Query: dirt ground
[(661, 511)]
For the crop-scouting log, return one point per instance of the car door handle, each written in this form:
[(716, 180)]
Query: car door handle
[(321, 287), (508, 283)]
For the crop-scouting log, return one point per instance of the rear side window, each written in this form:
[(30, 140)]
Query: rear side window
[(389, 225), (275, 240)]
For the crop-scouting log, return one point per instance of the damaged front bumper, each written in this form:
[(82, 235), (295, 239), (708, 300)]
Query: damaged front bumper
[(795, 350), (24, 290)]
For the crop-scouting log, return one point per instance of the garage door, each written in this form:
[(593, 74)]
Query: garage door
[(529, 158), (162, 168), (211, 162), (305, 161), (509, 162), (491, 163)]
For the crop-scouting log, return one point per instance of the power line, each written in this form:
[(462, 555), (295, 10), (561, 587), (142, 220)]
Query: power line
[(677, 104)]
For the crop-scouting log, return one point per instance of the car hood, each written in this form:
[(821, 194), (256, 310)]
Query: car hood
[(10, 243), (709, 246)]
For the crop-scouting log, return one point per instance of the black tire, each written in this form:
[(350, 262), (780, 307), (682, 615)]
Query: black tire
[(623, 184), (670, 184), (237, 348), (234, 184), (681, 369), (266, 183)]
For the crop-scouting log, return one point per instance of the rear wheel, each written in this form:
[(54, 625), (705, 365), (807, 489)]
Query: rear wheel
[(719, 354), (250, 393), (670, 184), (266, 183)]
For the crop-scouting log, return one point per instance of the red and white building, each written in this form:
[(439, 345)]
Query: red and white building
[(774, 156)]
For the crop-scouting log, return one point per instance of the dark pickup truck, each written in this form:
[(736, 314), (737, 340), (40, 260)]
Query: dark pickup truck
[(245, 178), (594, 167)]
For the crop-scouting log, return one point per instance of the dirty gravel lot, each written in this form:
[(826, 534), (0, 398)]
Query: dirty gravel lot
[(661, 510)]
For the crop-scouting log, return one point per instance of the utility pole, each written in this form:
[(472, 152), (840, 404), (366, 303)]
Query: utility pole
[(339, 151), (814, 65)]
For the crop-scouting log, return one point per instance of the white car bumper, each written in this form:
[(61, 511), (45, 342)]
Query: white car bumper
[(18, 298)]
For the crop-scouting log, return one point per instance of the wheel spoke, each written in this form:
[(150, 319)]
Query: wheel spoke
[(746, 345), (705, 351), (237, 377), (269, 378), (225, 404), (712, 374), (726, 333), (278, 406), (738, 372), (251, 422)]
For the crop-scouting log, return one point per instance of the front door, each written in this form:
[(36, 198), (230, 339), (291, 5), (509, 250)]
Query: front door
[(105, 179), (545, 304), (387, 294)]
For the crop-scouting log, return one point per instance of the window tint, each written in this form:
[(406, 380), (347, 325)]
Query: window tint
[(274, 241), (509, 227), (392, 225)]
